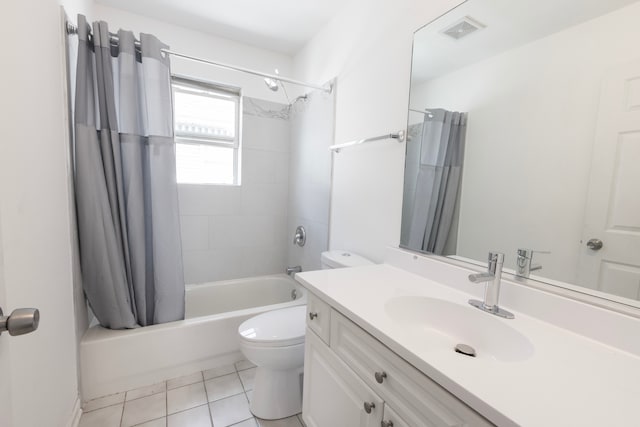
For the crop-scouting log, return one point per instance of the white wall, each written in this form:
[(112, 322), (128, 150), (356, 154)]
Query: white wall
[(532, 117), (312, 130), (367, 46), (231, 231), (35, 214)]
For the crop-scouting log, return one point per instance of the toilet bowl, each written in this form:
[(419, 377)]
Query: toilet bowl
[(342, 259), (274, 342)]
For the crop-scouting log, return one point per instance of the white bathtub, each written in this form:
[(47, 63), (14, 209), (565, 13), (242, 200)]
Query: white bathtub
[(115, 361)]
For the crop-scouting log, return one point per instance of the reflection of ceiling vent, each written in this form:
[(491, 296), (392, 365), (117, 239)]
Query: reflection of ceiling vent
[(463, 28)]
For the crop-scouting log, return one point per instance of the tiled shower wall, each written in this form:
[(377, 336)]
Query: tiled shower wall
[(312, 132), (230, 232)]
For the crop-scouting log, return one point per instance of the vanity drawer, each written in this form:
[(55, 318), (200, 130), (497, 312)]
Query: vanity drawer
[(319, 317), (391, 419), (415, 397)]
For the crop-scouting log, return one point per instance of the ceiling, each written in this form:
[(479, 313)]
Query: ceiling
[(508, 23), (279, 25)]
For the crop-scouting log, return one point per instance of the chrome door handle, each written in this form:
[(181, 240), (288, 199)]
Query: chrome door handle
[(380, 376), (313, 316), (386, 423), (21, 321), (595, 244), (368, 407)]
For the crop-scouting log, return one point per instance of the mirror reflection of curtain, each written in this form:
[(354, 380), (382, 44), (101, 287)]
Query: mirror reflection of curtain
[(125, 180), (434, 171)]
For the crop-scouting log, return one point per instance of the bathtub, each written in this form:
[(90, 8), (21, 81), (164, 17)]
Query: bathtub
[(116, 361)]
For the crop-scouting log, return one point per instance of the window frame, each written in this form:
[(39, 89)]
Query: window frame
[(185, 84)]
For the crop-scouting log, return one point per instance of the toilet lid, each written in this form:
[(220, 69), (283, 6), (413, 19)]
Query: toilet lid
[(277, 327)]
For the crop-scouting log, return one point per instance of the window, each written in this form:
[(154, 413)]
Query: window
[(207, 132)]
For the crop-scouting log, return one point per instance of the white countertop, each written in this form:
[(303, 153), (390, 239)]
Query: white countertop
[(569, 380)]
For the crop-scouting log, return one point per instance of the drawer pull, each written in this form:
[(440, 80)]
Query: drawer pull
[(380, 376), (368, 407), (313, 316), (386, 423)]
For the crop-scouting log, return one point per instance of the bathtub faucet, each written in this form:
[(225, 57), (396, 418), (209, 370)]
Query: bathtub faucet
[(293, 270)]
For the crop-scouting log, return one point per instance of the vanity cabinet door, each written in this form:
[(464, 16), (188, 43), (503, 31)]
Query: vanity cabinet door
[(418, 399), (333, 395), (319, 317)]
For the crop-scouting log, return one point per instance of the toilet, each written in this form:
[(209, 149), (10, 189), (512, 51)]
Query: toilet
[(274, 342)]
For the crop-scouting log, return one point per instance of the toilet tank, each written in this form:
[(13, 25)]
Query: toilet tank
[(342, 259)]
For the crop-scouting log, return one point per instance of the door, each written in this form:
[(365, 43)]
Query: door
[(333, 395), (6, 416), (612, 214)]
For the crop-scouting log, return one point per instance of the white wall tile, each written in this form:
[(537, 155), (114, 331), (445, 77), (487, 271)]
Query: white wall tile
[(310, 178), (265, 133), (265, 199), (241, 231), (259, 166), (209, 199), (308, 256), (196, 266), (226, 264), (224, 231), (195, 232)]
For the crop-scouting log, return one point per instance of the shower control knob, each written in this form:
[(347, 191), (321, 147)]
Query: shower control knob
[(368, 407), (380, 376), (21, 321), (313, 316)]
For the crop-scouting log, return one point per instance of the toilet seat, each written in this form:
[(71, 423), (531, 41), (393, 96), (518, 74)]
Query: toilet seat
[(277, 328)]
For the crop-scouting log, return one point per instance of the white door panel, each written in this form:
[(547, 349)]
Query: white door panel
[(5, 360), (613, 203)]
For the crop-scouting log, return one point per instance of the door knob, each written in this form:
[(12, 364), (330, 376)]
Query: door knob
[(595, 244), (21, 321)]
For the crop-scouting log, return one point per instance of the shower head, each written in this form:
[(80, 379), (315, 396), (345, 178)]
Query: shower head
[(272, 84), (275, 84)]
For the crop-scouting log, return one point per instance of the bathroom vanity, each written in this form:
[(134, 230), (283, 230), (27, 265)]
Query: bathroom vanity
[(380, 352), (365, 384)]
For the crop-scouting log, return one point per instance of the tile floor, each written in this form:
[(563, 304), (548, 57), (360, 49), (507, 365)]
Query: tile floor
[(214, 398)]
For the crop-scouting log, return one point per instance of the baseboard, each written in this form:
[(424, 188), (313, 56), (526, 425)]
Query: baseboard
[(76, 413)]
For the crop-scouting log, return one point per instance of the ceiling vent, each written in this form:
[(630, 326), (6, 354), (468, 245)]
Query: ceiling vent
[(463, 28)]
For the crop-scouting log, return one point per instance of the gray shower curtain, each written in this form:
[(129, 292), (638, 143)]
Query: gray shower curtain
[(434, 192), (125, 180)]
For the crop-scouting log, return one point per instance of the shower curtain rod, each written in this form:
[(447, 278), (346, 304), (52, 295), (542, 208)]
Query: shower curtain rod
[(73, 30), (422, 112)]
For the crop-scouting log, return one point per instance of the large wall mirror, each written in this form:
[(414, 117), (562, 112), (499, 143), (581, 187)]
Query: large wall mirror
[(524, 138)]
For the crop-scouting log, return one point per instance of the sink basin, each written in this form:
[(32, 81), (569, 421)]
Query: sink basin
[(451, 324)]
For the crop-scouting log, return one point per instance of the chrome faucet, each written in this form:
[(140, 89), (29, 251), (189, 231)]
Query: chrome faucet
[(492, 290), (293, 270), (524, 262)]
